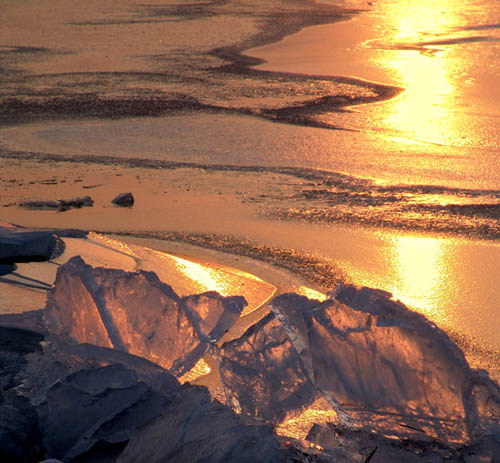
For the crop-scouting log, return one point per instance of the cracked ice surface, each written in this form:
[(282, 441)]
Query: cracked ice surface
[(263, 373)]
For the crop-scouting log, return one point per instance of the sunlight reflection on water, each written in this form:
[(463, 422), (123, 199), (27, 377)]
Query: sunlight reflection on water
[(224, 280), (423, 111), (436, 52), (419, 265), (444, 54), (451, 281)]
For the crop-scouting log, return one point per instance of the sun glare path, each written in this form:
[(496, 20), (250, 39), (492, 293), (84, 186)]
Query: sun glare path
[(226, 281), (419, 269), (106, 241), (422, 111), (206, 278)]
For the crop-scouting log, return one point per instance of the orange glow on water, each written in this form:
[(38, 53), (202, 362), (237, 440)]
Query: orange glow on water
[(207, 278), (412, 19), (418, 268), (422, 111), (227, 281)]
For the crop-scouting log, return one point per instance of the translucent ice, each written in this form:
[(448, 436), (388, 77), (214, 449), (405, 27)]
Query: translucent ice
[(380, 366), (263, 374), (136, 313)]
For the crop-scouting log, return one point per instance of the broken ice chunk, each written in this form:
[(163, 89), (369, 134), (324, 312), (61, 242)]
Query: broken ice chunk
[(100, 404), (402, 368), (263, 373), (71, 312), (27, 245), (211, 314), (199, 429), (390, 368), (136, 313)]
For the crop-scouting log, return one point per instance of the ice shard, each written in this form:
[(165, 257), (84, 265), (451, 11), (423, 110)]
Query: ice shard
[(390, 368), (79, 402), (19, 244), (263, 374), (71, 312), (26, 245), (212, 314), (136, 313)]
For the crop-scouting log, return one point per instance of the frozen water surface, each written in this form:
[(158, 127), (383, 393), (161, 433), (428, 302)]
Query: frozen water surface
[(288, 171)]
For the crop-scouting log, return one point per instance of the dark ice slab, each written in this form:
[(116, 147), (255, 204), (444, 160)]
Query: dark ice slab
[(60, 400), (100, 404), (28, 245), (7, 268), (135, 312), (33, 362), (263, 374), (212, 433), (358, 445), (202, 430), (19, 244), (85, 403), (20, 433)]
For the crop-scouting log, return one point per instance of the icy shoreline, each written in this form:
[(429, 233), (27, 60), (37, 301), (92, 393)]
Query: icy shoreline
[(41, 88), (370, 362), (216, 178), (195, 67)]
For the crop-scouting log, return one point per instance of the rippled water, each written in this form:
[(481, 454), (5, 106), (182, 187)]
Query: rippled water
[(441, 188)]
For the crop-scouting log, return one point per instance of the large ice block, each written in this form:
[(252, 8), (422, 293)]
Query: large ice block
[(198, 429), (80, 402), (135, 312), (100, 404), (263, 374), (19, 244), (389, 368)]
